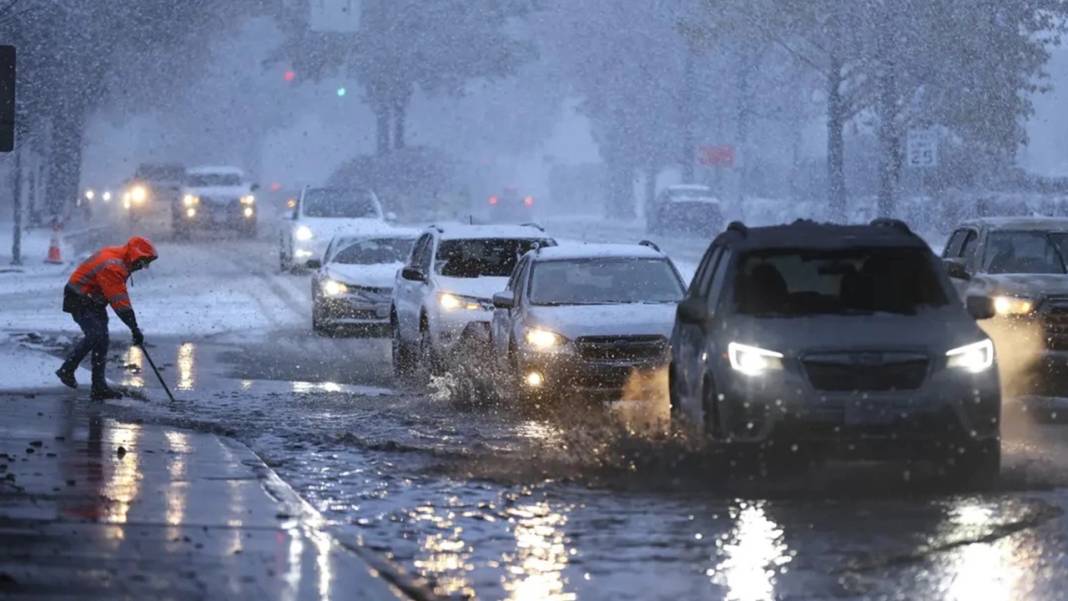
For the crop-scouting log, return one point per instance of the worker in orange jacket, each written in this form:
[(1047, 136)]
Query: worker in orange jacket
[(98, 282)]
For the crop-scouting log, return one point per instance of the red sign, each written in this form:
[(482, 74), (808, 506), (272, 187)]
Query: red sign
[(720, 155)]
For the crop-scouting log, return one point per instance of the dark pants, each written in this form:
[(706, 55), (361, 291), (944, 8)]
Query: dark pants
[(93, 321)]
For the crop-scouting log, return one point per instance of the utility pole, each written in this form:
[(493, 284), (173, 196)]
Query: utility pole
[(16, 239)]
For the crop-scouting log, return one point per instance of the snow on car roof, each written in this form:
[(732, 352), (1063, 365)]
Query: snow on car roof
[(386, 232), (579, 250), (804, 234), (462, 231), (1058, 224), (206, 169), (689, 188)]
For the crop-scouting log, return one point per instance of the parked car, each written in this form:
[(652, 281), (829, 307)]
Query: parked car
[(584, 319), (444, 292), (215, 197), (353, 285), (685, 208), (1022, 263), (320, 214), (843, 340)]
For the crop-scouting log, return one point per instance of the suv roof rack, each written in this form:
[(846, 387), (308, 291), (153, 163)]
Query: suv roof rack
[(650, 244), (533, 225), (897, 224), (738, 226)]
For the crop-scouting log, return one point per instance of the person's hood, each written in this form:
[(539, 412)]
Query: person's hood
[(138, 248), (630, 319), (1031, 285), (482, 287), (379, 275), (218, 191), (931, 331)]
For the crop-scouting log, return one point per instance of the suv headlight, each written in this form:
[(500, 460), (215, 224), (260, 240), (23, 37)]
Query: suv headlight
[(544, 340), (334, 288), (753, 361), (975, 357), (189, 200), (303, 233), (248, 199), (1013, 305), (453, 302)]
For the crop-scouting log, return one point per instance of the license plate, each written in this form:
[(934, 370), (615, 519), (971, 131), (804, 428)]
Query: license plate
[(868, 414)]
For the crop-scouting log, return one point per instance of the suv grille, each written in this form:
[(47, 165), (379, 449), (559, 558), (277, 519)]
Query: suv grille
[(842, 372), (1055, 321), (621, 348)]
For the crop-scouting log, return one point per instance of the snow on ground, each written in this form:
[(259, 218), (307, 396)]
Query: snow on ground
[(23, 368)]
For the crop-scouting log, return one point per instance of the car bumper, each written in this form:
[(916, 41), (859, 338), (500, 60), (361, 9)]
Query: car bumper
[(353, 311), (450, 328), (236, 215), (948, 407), (568, 372)]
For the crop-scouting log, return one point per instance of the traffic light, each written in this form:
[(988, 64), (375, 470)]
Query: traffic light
[(7, 98)]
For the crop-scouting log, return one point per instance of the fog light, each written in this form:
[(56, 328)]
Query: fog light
[(248, 211), (534, 379), (190, 212)]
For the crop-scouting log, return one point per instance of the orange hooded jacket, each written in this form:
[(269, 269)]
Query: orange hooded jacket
[(101, 279)]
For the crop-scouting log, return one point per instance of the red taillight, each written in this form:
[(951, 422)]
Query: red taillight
[(528, 201), (493, 200)]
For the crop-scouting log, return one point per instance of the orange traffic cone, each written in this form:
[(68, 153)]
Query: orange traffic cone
[(55, 255)]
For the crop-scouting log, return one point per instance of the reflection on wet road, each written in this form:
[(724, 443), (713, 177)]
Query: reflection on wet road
[(591, 502)]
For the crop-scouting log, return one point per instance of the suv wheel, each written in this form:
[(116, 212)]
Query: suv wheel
[(977, 463), (429, 362), (402, 356)]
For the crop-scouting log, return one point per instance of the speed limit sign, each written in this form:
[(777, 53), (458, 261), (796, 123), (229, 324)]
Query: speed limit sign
[(922, 148)]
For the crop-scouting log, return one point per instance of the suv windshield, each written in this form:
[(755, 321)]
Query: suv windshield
[(604, 282), (203, 180), (1025, 252), (160, 173), (372, 252), (485, 257), (328, 202), (792, 283)]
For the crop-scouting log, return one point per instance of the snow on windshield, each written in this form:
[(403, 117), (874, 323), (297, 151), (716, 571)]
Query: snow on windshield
[(604, 281), (1025, 252)]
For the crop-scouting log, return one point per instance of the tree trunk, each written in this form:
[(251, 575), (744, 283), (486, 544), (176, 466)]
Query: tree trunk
[(65, 162), (620, 203), (16, 240), (651, 172), (688, 151), (888, 132), (381, 111), (400, 115), (836, 185)]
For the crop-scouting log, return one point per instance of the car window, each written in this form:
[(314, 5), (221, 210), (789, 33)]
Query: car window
[(513, 281), (792, 283), (202, 180), (699, 283), (426, 255), (374, 251), (604, 281), (971, 239), (339, 203), (715, 290), (520, 276), (1025, 252), (418, 250), (482, 257), (954, 243)]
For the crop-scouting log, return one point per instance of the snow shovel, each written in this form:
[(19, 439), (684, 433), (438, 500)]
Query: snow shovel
[(153, 365)]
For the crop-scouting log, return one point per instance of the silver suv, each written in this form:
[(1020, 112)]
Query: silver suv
[(842, 340)]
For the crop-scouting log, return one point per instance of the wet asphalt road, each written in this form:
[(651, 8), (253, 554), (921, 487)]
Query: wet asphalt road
[(592, 502)]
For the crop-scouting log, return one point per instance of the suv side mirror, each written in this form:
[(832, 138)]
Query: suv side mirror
[(504, 300), (980, 307), (314, 264), (413, 274), (955, 269), (692, 310)]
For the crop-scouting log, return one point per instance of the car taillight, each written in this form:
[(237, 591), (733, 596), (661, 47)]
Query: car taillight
[(528, 201), (493, 200)]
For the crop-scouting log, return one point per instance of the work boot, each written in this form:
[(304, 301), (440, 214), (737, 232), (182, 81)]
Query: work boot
[(67, 377), (103, 393)]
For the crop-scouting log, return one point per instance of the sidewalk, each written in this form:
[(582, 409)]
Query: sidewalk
[(91, 508)]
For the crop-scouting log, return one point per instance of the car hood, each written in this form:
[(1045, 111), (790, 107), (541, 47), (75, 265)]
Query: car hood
[(1025, 284), (326, 228), (483, 288), (930, 331), (633, 319), (379, 275), (217, 191)]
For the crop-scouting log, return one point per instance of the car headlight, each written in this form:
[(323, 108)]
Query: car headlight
[(334, 288), (543, 340), (975, 358), (138, 194), (1013, 305), (304, 233), (248, 199), (190, 201), (753, 361), (452, 302)]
